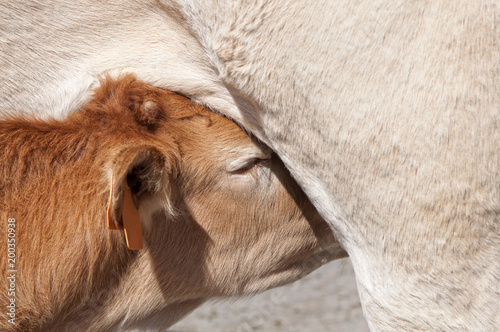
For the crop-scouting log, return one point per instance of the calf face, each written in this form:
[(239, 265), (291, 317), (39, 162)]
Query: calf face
[(220, 215)]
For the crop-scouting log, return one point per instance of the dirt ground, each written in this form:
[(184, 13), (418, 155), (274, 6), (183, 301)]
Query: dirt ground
[(324, 301)]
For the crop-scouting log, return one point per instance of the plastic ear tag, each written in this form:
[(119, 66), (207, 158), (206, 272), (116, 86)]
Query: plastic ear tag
[(130, 217), (131, 220)]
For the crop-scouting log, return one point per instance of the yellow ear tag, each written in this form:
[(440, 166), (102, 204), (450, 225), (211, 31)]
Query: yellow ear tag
[(130, 217)]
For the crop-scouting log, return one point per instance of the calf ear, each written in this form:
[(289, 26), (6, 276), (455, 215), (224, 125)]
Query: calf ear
[(135, 174)]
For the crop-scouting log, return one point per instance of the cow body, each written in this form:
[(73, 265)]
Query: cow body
[(386, 113), (213, 205)]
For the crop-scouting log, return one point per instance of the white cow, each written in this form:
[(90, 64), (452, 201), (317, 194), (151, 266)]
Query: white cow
[(387, 113)]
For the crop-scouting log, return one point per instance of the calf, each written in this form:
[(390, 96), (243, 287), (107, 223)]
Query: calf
[(219, 214)]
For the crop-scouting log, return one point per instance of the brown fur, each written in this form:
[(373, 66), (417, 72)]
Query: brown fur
[(207, 231)]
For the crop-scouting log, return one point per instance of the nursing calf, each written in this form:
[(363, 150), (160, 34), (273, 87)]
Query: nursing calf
[(220, 216)]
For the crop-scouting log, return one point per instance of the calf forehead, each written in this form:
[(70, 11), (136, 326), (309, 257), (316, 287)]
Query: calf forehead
[(215, 139), (199, 129)]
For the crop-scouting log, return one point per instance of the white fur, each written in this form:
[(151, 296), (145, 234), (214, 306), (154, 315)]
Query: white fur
[(386, 112)]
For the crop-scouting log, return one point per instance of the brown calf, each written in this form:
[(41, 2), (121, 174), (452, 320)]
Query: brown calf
[(220, 215)]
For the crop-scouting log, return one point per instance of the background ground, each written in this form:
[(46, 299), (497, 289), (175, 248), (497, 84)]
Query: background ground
[(324, 301)]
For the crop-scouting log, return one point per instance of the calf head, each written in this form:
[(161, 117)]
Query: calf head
[(219, 214)]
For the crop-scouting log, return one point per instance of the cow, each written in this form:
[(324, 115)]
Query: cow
[(385, 112), (206, 211)]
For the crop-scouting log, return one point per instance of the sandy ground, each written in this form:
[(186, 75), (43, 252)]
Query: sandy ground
[(326, 300)]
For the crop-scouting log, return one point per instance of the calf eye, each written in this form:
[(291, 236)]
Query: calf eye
[(257, 162)]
